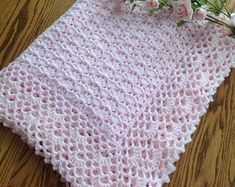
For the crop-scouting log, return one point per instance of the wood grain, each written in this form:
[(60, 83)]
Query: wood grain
[(209, 161)]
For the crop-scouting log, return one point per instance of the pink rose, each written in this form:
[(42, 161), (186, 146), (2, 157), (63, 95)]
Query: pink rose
[(152, 4), (182, 10), (200, 14)]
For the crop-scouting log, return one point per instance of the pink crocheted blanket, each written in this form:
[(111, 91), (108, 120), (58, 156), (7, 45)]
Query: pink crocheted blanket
[(111, 99)]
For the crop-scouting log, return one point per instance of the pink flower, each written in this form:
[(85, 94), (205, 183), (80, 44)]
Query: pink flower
[(200, 14), (152, 4), (182, 10)]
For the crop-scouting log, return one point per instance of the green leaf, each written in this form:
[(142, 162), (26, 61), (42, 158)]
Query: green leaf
[(217, 6), (202, 2), (197, 4), (215, 11), (152, 10), (232, 36), (133, 7), (181, 23), (227, 11), (233, 31), (224, 1), (164, 3)]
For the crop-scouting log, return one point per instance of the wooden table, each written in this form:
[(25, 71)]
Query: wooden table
[(209, 161)]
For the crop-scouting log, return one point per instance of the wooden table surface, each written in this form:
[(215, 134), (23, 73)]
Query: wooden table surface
[(209, 161)]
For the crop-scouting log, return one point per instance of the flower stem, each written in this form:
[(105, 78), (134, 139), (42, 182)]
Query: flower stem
[(218, 9), (215, 20)]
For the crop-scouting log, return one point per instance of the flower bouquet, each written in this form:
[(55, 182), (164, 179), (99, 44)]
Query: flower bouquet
[(192, 11)]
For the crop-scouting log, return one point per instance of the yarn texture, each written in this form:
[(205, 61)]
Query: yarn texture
[(110, 99)]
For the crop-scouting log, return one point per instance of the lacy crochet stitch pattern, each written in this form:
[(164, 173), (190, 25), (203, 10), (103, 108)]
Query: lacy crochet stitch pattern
[(111, 99)]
